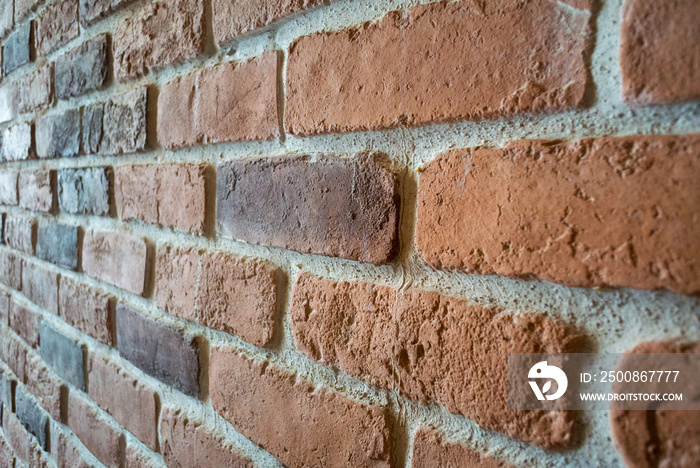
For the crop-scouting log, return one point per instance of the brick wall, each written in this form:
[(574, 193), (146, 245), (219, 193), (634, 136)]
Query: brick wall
[(305, 232)]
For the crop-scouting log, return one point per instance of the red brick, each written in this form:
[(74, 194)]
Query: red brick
[(431, 348), (599, 212), (20, 233), (136, 457), (199, 112), (98, 436), (161, 33), (227, 293), (35, 191), (19, 439), (440, 62), (86, 309), (660, 51), (25, 323), (186, 442), (44, 385), (130, 402), (297, 423), (429, 450), (57, 25), (8, 188), (13, 352), (10, 269), (40, 286), (233, 17), (34, 91), (68, 452), (116, 258), (170, 195), (327, 206)]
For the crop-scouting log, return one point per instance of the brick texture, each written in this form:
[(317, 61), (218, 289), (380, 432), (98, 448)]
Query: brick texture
[(20, 233), (17, 49), (29, 413), (64, 355), (87, 309), (25, 323), (93, 116), (92, 11), (100, 438), (6, 20), (40, 285), (85, 191), (429, 450), (68, 452), (24, 7), (328, 206), (83, 69), (8, 188), (117, 258), (35, 192), (24, 446), (17, 142), (58, 244), (45, 386), (34, 91), (124, 123), (58, 135), (14, 353), (5, 304), (57, 25), (10, 269)]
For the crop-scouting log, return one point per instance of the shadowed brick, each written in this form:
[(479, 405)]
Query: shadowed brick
[(83, 69), (93, 116), (63, 354)]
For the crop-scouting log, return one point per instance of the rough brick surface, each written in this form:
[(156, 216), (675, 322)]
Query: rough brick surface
[(6, 21), (86, 309), (92, 11), (525, 57), (35, 191), (137, 457), (660, 51), (8, 188), (10, 269), (429, 450), (24, 7), (199, 112), (58, 135), (7, 456), (131, 402), (608, 211), (232, 294), (58, 244), (442, 350), (170, 195), (63, 354), (117, 258), (23, 444), (185, 442), (17, 49), (83, 69), (93, 116), (158, 350), (25, 323), (57, 25), (100, 438), (34, 91), (124, 123), (5, 304), (20, 233), (67, 451), (84, 191), (45, 386), (40, 285), (161, 33), (32, 417), (273, 409), (328, 206), (14, 353), (17, 142)]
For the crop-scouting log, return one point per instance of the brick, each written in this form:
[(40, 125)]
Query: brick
[(17, 436), (273, 409), (91, 11), (116, 258), (136, 457), (58, 244), (85, 191), (92, 128), (34, 91), (17, 142), (599, 212), (233, 18), (232, 294), (14, 353), (659, 51), (35, 191), (418, 66), (200, 113), (83, 69), (40, 285), (159, 350), (6, 22), (5, 304), (6, 383), (68, 452), (24, 7), (20, 233), (25, 323), (327, 206), (124, 123), (31, 416), (7, 456), (98, 436), (63, 354), (57, 25), (159, 34), (430, 450), (8, 105), (87, 309), (10, 269), (45, 386), (186, 442), (431, 348), (169, 195), (17, 49), (130, 402), (8, 188), (58, 135)]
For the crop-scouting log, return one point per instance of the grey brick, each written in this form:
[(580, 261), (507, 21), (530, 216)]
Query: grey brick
[(62, 354), (84, 191), (124, 123), (83, 69), (18, 48), (58, 244), (32, 417), (58, 135), (92, 128)]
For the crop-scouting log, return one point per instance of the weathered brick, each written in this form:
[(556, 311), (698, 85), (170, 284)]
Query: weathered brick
[(161, 33), (5, 304), (659, 51), (98, 436), (17, 143), (7, 456), (44, 385), (131, 402), (170, 195), (63, 354), (24, 7), (14, 353), (138, 457), (431, 348), (17, 49), (124, 123), (58, 244), (58, 135), (6, 383), (92, 11), (185, 442), (40, 285), (84, 191), (34, 91), (22, 443), (200, 113), (92, 128), (86, 309), (67, 451), (607, 211), (158, 350), (10, 269), (32, 417), (328, 206), (8, 188), (430, 450), (233, 17), (25, 323), (419, 66), (273, 408), (232, 294), (20, 233), (57, 25), (83, 69), (117, 258), (35, 191), (6, 20)]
